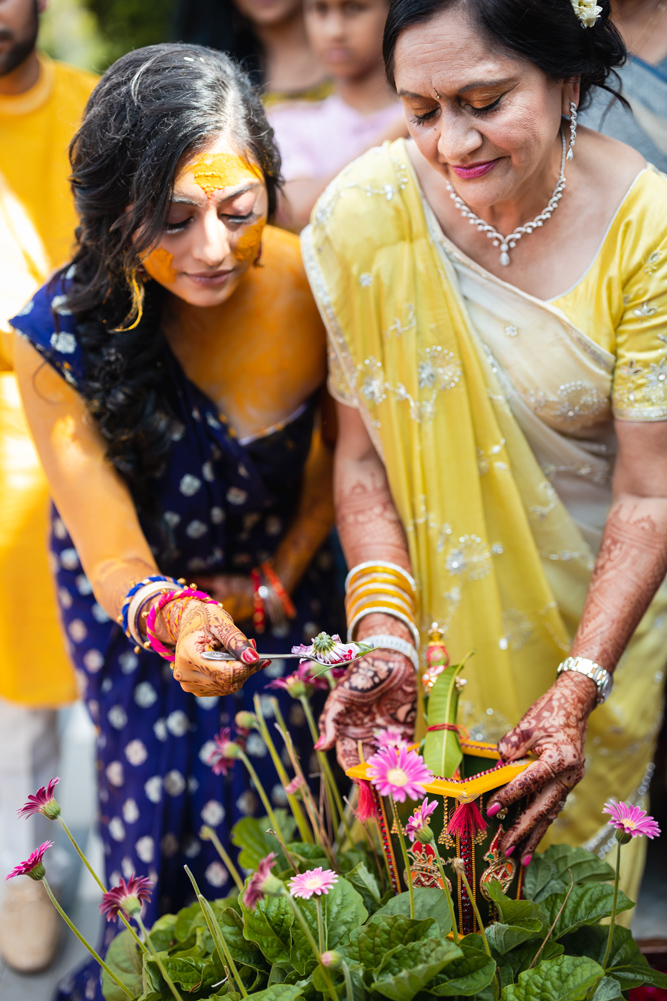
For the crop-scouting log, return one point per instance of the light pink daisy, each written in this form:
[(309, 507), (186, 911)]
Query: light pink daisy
[(397, 772), (127, 897), (225, 753), (331, 650), (257, 884), (391, 737), (419, 819), (631, 820), (318, 881), (42, 802), (33, 866), (292, 788)]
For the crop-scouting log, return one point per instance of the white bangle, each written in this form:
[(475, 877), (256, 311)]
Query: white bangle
[(384, 641), (381, 563), (137, 602), (395, 614)]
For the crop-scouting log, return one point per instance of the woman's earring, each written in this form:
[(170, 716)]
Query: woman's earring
[(573, 130)]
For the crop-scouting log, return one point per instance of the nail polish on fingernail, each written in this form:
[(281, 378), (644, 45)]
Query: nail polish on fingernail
[(509, 851), (493, 810), (249, 656), (525, 861), (319, 744), (254, 644)]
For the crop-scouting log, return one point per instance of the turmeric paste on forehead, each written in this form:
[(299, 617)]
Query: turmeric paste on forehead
[(222, 170)]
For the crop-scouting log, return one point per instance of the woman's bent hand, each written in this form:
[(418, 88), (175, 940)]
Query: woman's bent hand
[(203, 626), (377, 692), (554, 729)]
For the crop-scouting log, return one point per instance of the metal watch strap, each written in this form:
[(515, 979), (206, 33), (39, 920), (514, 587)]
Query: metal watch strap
[(385, 641), (598, 675)]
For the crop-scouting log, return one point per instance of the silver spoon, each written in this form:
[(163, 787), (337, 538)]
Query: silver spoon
[(221, 655)]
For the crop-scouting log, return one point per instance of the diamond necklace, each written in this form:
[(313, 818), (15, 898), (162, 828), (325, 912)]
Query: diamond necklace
[(507, 243)]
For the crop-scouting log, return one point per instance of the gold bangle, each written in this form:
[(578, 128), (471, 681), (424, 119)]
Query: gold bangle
[(385, 611), (380, 576), (382, 599), (354, 594), (379, 566)]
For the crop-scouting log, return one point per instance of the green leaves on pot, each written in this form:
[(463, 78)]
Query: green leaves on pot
[(567, 978), (467, 975), (550, 872), (429, 903), (409, 968)]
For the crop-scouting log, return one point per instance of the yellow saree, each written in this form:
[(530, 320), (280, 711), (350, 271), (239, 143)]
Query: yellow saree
[(491, 411)]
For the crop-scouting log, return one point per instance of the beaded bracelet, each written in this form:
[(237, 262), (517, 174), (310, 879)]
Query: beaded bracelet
[(186, 592)]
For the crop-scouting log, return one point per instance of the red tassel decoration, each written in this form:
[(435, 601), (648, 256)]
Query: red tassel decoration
[(366, 808), (467, 821)]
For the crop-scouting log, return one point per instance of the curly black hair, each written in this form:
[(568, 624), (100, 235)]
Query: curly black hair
[(152, 109), (546, 32)]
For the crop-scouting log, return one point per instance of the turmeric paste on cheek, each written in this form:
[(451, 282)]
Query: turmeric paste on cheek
[(160, 265), (246, 247)]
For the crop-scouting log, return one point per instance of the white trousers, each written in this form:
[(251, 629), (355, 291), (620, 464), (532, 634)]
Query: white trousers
[(29, 751)]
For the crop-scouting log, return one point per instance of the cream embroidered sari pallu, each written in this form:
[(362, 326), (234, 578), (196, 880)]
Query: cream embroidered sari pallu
[(472, 392)]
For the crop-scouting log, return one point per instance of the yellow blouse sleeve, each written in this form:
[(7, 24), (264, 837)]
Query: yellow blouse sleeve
[(640, 377), (337, 383)]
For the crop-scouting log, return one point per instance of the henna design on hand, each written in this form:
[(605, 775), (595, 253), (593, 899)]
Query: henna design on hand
[(554, 728), (630, 567), (368, 522), (378, 691), (199, 626)]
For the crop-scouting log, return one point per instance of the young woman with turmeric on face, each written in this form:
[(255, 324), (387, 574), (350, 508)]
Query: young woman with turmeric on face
[(178, 421)]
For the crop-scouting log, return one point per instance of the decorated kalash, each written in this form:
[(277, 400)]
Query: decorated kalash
[(468, 772)]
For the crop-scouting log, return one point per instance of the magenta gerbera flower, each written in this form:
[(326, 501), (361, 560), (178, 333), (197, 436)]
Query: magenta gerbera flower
[(391, 737), (127, 897), (261, 882), (226, 751), (33, 866), (42, 802), (419, 820), (631, 820), (398, 772), (318, 881)]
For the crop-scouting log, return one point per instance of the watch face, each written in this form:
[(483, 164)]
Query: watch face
[(605, 688)]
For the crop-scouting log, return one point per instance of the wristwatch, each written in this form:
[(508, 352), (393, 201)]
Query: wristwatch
[(602, 678)]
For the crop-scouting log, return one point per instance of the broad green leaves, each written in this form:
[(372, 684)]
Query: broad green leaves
[(124, 958), (269, 926), (567, 978), (428, 904), (586, 905), (442, 748), (371, 943), (342, 911), (409, 968), (550, 873), (250, 836), (466, 975)]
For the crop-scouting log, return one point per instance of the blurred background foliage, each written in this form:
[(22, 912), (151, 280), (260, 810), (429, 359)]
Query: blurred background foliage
[(92, 33)]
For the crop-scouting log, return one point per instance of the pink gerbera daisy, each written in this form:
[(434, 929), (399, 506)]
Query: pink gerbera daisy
[(419, 820), (226, 751), (261, 882), (391, 737), (33, 866), (331, 650), (127, 897), (398, 772), (631, 820), (42, 802), (317, 881)]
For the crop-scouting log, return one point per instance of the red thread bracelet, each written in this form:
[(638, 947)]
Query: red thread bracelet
[(280, 592), (258, 610)]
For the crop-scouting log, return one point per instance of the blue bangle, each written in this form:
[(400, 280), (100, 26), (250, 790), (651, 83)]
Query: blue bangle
[(133, 590)]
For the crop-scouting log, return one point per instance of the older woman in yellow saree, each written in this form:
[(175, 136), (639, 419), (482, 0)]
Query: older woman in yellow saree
[(503, 403)]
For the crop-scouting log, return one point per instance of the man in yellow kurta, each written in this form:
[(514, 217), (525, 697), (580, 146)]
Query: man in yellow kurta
[(41, 102)]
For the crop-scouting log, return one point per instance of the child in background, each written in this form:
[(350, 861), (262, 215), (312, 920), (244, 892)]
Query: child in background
[(317, 140)]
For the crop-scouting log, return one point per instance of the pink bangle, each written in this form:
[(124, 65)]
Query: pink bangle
[(164, 599)]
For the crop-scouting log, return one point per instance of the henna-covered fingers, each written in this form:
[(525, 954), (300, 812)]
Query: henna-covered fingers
[(538, 814), (378, 691)]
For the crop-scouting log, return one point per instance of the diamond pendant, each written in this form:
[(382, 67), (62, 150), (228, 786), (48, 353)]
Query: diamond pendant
[(504, 256)]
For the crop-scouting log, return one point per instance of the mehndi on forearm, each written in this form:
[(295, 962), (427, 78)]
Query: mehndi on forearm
[(630, 567)]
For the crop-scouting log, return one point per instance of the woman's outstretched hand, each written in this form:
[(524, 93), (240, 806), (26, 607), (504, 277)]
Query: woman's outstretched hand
[(554, 729), (200, 626), (378, 691)]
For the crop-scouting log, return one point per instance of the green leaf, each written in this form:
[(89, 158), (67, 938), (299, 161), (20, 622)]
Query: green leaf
[(162, 934), (410, 968), (520, 958), (586, 905), (186, 921), (371, 943), (243, 951), (126, 961), (567, 978), (608, 990), (250, 835), (592, 942), (548, 872), (503, 937), (429, 903), (269, 925), (342, 911), (278, 992), (186, 972), (442, 748), (365, 883), (638, 973), (467, 975), (522, 913)]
